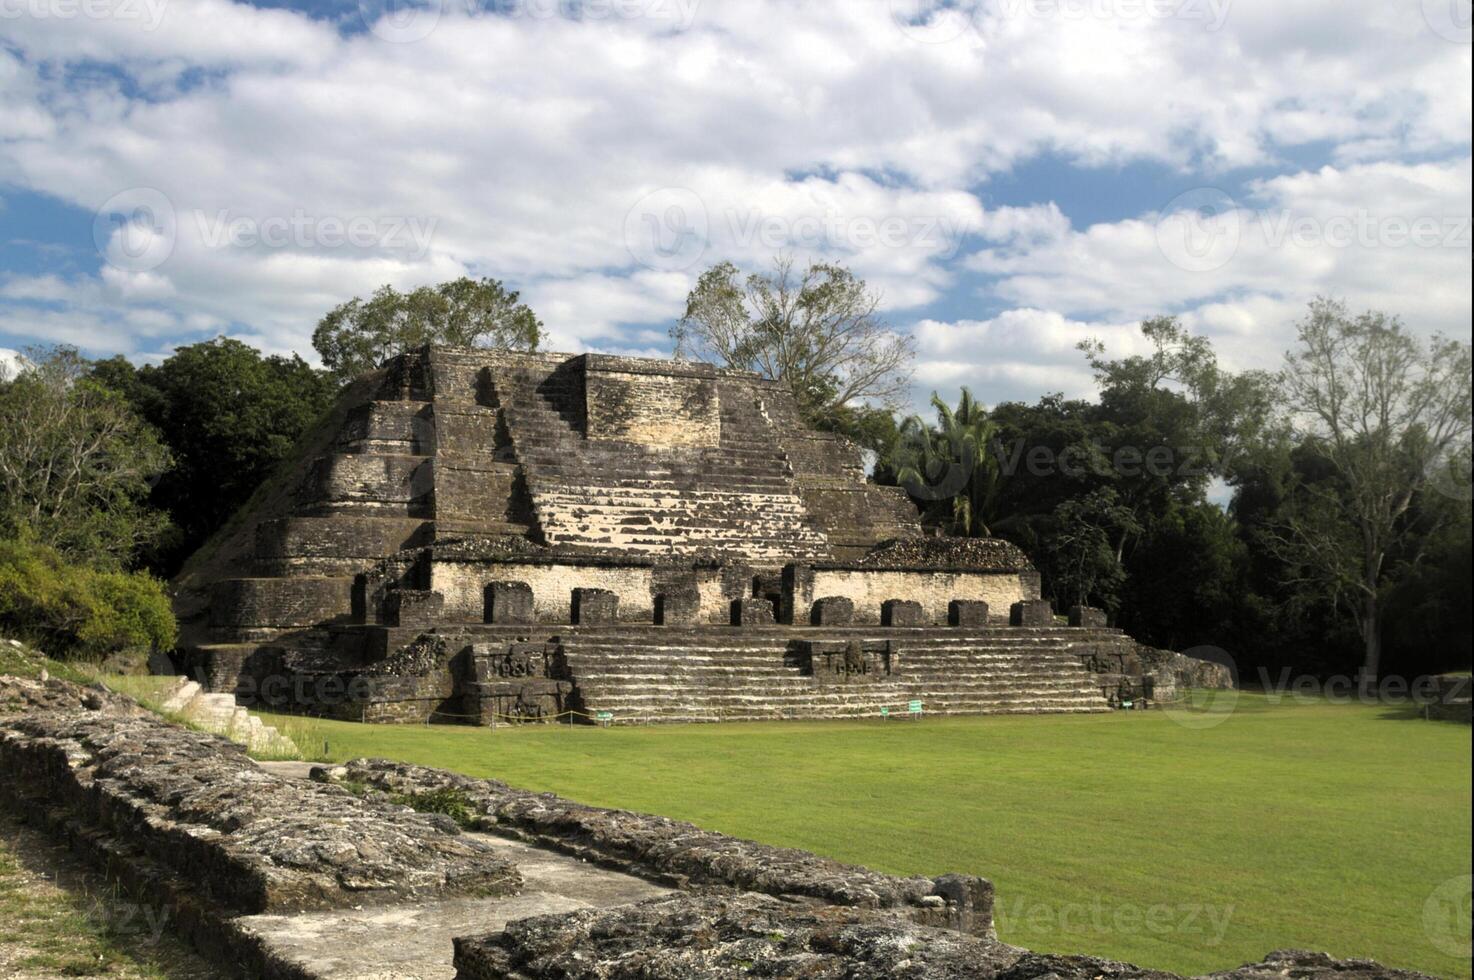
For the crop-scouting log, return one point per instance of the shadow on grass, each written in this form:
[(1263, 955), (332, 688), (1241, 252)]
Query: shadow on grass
[(64, 919)]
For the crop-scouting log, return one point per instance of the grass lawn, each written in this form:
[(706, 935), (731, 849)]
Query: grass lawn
[(1130, 835)]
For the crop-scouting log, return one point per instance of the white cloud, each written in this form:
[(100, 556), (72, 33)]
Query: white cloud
[(1390, 236), (1016, 355), (526, 146)]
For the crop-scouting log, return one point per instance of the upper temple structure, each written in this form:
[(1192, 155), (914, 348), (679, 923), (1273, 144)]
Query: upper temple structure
[(484, 535)]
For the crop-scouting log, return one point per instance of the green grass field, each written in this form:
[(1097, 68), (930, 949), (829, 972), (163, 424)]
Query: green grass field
[(1127, 835)]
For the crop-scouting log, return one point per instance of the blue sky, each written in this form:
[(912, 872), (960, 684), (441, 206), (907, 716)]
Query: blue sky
[(1013, 175)]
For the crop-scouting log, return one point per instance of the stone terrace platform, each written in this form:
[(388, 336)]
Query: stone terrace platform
[(630, 674)]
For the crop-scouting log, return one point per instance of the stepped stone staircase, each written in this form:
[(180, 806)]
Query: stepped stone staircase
[(219, 713), (738, 496), (703, 675)]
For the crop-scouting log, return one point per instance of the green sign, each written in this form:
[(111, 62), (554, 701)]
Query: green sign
[(915, 707), (1127, 704), (885, 712), (606, 716)]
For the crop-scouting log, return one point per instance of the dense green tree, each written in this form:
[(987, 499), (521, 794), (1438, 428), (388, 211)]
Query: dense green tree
[(77, 463), (1428, 618), (357, 336), (1229, 412), (1080, 554), (229, 415), (1186, 580), (1047, 453)]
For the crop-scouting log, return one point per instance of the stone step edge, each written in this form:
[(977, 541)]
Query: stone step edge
[(194, 706)]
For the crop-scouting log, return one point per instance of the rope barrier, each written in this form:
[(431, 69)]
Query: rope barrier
[(570, 713), (911, 709)]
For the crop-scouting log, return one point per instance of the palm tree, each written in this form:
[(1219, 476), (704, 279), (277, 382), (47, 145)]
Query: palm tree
[(951, 465)]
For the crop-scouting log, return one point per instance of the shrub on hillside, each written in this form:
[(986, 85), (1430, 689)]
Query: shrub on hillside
[(75, 611)]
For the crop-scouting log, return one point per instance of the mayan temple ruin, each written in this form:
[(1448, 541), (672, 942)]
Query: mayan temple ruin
[(481, 535)]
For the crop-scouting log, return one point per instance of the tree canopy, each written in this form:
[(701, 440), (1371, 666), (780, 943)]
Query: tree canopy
[(77, 463), (1382, 410), (357, 336), (818, 330), (229, 415)]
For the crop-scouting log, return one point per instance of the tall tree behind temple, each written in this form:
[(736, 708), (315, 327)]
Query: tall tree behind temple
[(358, 335), (950, 467), (229, 416), (1383, 410), (817, 330)]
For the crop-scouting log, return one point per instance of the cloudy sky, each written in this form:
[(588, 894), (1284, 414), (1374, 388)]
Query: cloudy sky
[(1013, 175)]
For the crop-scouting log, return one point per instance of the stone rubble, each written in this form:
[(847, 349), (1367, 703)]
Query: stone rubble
[(196, 803), (682, 853), (724, 937), (975, 554), (695, 936), (220, 715)]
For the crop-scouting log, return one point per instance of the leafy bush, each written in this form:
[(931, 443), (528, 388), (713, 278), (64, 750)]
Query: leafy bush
[(75, 611), (446, 800)]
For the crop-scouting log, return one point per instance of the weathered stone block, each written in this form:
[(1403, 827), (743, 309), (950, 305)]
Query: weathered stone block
[(341, 536), (509, 603), (1031, 612), (797, 594), (394, 483), (674, 405), (902, 612), (279, 602), (595, 607), (849, 660), (413, 607), (834, 610), (1087, 616), (967, 612), (249, 841), (752, 612), (678, 607)]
